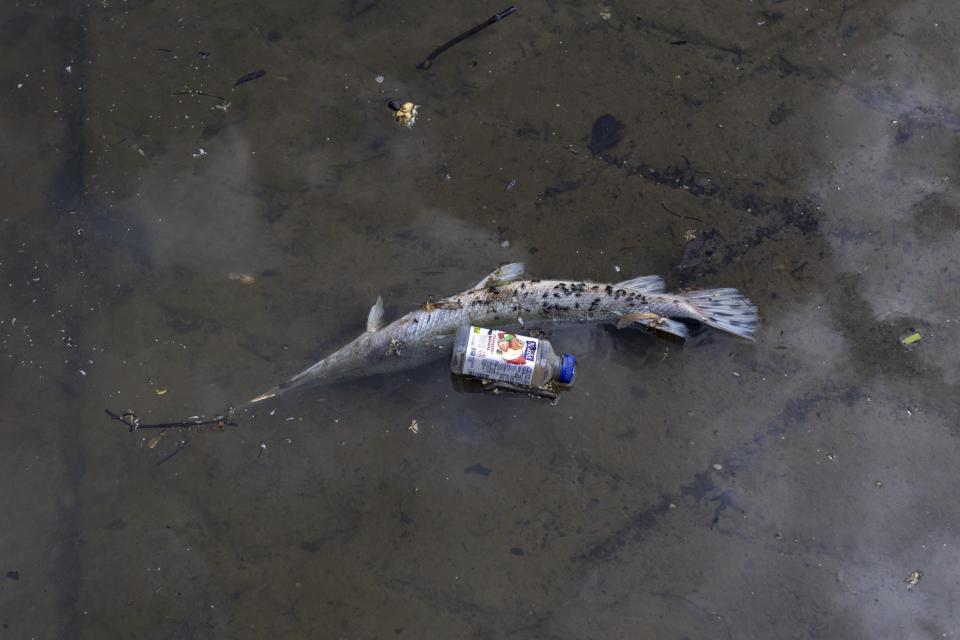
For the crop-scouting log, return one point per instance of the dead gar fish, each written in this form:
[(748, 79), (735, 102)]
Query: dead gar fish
[(505, 300)]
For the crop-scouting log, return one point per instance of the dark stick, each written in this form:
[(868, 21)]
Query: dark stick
[(191, 92), (674, 213), (463, 36), (169, 456), (130, 419), (247, 77)]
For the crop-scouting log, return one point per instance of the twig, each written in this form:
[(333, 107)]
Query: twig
[(247, 77), (428, 61), (674, 213), (194, 92), (180, 447), (132, 421)]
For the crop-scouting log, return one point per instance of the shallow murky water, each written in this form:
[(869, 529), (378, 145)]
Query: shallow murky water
[(174, 243)]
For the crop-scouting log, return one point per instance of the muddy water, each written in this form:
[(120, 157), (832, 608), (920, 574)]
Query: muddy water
[(783, 489)]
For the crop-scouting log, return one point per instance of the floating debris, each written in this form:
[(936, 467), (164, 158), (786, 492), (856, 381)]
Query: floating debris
[(132, 421), (510, 185), (155, 440), (405, 113), (913, 579), (379, 79), (242, 278), (161, 391), (911, 338), (414, 428)]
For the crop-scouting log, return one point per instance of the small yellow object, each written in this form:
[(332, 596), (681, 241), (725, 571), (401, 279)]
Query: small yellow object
[(155, 440), (913, 579), (242, 278), (406, 114), (161, 392), (912, 338)]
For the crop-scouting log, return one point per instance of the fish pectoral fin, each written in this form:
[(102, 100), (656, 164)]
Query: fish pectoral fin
[(628, 319), (653, 321), (502, 275), (375, 317)]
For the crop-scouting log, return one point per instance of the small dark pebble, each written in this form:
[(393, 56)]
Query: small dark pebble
[(478, 469), (273, 36), (311, 546), (679, 42), (203, 54), (15, 575), (517, 551), (269, 273), (210, 130), (247, 77), (605, 134)]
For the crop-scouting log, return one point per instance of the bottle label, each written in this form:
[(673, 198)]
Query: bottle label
[(498, 355)]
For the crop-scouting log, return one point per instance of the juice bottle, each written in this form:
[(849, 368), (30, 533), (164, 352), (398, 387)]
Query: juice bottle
[(507, 357)]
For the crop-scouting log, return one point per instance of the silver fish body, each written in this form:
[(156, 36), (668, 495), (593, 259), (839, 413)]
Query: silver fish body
[(503, 300)]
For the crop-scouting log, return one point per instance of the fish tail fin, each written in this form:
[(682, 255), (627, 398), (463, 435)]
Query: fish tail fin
[(643, 284), (724, 309)]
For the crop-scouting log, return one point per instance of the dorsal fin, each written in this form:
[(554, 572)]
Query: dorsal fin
[(502, 275), (375, 317), (643, 284)]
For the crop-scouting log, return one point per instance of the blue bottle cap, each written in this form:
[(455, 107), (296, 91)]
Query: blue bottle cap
[(567, 365)]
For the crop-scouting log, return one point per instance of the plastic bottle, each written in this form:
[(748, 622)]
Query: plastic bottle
[(507, 357)]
